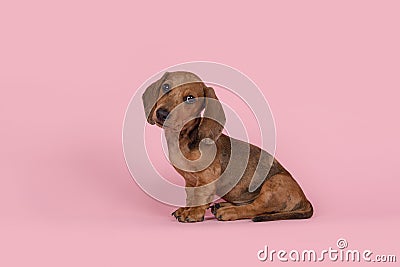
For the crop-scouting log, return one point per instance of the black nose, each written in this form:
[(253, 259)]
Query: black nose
[(162, 114)]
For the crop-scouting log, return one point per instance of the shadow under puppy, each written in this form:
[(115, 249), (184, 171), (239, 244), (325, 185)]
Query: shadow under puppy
[(251, 181)]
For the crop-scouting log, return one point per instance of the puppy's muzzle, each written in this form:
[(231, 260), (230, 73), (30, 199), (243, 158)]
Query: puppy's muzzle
[(162, 115)]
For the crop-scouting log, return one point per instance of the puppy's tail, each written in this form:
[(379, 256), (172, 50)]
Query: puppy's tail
[(289, 215)]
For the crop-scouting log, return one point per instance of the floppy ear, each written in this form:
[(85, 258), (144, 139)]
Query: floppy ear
[(150, 97), (213, 120)]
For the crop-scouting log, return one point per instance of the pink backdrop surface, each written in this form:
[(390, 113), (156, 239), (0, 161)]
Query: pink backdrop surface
[(330, 71)]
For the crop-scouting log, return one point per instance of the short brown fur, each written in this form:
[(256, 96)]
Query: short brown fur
[(279, 197)]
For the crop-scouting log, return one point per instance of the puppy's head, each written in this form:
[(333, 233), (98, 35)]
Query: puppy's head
[(176, 100)]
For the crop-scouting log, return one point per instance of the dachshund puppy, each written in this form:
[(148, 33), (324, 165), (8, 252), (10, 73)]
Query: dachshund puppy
[(251, 181)]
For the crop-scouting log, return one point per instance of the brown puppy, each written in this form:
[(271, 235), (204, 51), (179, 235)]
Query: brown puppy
[(175, 102)]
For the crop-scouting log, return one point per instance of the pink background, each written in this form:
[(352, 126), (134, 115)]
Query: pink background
[(330, 72)]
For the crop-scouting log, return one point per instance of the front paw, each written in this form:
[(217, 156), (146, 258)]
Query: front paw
[(177, 213), (189, 214)]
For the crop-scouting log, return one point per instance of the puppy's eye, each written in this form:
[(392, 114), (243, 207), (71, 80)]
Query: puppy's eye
[(165, 87), (189, 99)]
